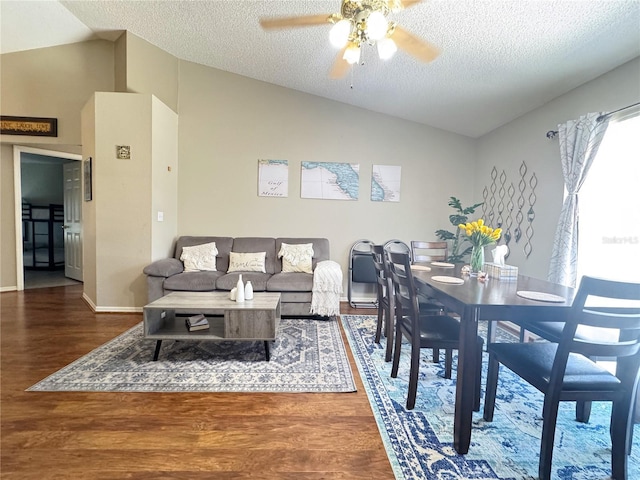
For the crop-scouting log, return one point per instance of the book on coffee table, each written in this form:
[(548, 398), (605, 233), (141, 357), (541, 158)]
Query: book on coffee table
[(197, 322), (199, 327)]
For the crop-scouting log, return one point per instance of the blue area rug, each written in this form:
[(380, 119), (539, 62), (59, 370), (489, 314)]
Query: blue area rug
[(419, 442), (308, 356)]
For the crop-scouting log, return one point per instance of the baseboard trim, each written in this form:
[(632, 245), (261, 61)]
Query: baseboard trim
[(8, 289), (359, 299), (97, 309), (88, 301), (118, 310)]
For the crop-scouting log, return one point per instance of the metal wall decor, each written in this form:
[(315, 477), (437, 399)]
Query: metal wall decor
[(502, 209), (522, 185), (531, 215)]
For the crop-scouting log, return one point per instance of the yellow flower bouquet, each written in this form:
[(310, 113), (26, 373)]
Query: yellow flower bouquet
[(480, 235)]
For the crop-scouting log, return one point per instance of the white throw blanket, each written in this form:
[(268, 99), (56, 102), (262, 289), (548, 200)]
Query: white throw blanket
[(327, 287)]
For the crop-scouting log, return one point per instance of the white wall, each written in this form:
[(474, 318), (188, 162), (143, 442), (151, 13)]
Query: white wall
[(524, 140)]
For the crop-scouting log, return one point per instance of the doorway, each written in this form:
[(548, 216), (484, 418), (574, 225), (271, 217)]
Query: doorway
[(47, 208)]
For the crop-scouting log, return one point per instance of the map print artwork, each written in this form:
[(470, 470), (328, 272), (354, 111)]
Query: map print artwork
[(273, 178), (330, 181), (385, 183)]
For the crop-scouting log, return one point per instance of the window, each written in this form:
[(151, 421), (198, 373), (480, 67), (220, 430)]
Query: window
[(609, 206)]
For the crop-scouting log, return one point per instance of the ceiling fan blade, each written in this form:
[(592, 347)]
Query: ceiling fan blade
[(340, 66), (292, 22), (415, 46)]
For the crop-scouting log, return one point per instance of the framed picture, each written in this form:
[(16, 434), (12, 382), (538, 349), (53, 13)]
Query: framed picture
[(87, 180)]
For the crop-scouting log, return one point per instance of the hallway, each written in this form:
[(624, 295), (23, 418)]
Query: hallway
[(46, 278)]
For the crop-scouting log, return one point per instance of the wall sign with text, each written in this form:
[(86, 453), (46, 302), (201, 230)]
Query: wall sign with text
[(34, 126)]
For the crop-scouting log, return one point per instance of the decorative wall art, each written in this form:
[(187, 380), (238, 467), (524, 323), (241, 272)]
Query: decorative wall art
[(385, 183), (34, 126), (330, 181), (273, 178), (123, 152), (88, 194), (508, 209)]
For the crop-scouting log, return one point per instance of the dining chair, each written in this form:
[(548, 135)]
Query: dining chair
[(395, 245), (361, 270), (422, 330), (565, 371), (386, 300), (422, 252), (428, 251), (552, 331)]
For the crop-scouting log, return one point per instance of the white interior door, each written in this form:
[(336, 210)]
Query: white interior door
[(73, 220)]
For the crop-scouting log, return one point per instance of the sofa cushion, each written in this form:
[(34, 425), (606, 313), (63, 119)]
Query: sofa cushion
[(193, 281), (320, 249), (199, 258), (223, 244), (296, 258), (230, 280), (258, 244), (247, 262), (290, 282)]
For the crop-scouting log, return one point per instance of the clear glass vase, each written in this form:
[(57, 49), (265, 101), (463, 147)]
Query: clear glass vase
[(477, 260)]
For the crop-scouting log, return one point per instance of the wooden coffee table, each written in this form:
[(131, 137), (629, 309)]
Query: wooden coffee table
[(257, 319)]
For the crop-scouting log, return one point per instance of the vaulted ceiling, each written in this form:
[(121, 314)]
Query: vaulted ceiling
[(499, 60)]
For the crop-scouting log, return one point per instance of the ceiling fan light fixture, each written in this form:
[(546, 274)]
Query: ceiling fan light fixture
[(352, 53), (386, 48), (339, 33), (377, 25)]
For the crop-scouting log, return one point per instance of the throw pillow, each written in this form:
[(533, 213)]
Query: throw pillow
[(296, 258), (199, 257), (247, 262)]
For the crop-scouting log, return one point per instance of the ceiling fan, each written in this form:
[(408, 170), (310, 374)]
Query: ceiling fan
[(362, 22)]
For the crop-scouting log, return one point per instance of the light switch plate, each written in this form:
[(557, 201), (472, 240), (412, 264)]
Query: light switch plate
[(161, 216)]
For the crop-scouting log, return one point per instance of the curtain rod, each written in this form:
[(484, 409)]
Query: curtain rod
[(554, 133)]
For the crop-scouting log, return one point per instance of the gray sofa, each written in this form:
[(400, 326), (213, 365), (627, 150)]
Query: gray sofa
[(168, 275)]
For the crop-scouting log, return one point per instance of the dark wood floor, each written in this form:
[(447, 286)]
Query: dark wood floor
[(77, 435)]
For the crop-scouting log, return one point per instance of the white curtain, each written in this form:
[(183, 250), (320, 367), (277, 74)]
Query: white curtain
[(579, 143)]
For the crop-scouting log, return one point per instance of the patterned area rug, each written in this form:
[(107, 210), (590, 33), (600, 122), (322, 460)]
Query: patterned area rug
[(419, 442), (308, 356)]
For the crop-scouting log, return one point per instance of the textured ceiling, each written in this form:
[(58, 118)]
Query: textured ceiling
[(500, 59)]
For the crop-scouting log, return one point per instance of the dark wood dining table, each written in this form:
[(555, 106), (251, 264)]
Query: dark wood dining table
[(485, 300)]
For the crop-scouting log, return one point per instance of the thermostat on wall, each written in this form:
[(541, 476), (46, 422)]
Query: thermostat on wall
[(123, 152)]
